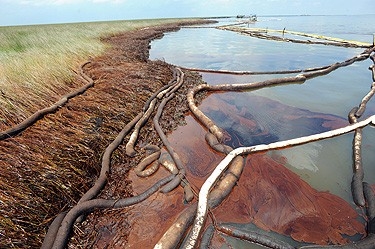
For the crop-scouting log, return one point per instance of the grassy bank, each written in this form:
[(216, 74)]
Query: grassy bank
[(48, 168), (37, 62)]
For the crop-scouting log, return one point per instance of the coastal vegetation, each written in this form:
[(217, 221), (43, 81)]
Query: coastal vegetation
[(38, 62), (73, 160), (46, 169)]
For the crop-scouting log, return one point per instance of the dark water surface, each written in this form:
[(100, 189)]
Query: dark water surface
[(288, 111)]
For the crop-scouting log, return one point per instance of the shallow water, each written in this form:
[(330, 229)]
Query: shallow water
[(288, 111), (357, 27), (219, 49)]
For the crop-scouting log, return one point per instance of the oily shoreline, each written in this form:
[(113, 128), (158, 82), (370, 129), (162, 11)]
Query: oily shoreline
[(124, 81), (52, 163), (161, 209)]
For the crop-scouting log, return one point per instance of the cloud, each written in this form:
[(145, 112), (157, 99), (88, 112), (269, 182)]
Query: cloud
[(64, 2), (45, 2), (108, 1)]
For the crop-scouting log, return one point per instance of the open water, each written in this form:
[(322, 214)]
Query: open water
[(325, 165)]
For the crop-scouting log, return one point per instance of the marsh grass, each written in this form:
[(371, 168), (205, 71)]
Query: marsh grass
[(46, 170), (38, 63)]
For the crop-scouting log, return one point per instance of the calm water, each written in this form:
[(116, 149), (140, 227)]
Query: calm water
[(326, 165)]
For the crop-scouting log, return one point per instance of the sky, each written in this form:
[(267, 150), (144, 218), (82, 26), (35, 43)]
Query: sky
[(26, 12)]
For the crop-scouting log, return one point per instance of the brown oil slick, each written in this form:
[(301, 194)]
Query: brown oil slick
[(252, 119), (268, 194), (151, 218), (276, 199)]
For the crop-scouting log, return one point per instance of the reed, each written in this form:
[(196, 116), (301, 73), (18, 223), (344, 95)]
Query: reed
[(38, 62), (46, 170)]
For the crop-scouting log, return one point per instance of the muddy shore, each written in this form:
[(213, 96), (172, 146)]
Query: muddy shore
[(56, 160), (59, 160), (265, 186), (110, 228)]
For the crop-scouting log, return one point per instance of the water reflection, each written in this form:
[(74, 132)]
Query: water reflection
[(273, 192), (250, 119), (218, 49), (344, 26), (336, 93), (319, 171), (341, 26), (327, 165)]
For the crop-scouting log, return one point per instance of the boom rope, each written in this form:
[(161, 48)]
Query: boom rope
[(358, 190), (59, 230), (213, 191), (15, 130), (254, 72), (64, 230), (263, 34), (222, 166), (298, 79)]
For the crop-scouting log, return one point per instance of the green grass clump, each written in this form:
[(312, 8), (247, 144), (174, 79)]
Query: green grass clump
[(37, 62)]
